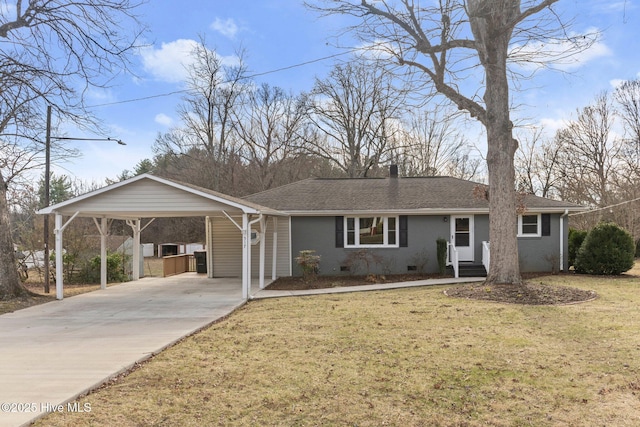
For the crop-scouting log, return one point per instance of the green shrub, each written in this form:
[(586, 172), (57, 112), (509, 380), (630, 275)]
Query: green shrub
[(90, 273), (441, 246), (607, 249), (576, 237), (638, 248)]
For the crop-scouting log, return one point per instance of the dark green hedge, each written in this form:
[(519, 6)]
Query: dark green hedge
[(608, 249)]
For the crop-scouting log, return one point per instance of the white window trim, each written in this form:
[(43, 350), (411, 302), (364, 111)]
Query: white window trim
[(539, 231), (385, 244)]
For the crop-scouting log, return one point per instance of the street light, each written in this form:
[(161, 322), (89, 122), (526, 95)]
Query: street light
[(47, 172)]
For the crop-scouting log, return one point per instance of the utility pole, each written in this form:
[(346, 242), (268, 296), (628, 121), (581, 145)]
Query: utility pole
[(47, 192)]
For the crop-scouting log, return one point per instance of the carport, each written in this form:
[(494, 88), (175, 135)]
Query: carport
[(148, 197)]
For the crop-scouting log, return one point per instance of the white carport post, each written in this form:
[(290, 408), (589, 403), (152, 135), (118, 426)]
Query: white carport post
[(208, 246), (58, 233), (263, 226), (246, 256), (135, 226), (58, 230), (104, 231), (274, 258), (248, 239)]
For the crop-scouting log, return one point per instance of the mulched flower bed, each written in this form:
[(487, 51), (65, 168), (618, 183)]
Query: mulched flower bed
[(528, 293)]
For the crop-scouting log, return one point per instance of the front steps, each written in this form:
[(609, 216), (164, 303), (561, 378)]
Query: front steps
[(468, 270)]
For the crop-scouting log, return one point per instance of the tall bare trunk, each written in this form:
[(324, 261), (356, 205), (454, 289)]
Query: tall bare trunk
[(10, 285), (490, 25)]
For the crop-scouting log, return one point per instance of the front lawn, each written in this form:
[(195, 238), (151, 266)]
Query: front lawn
[(411, 357)]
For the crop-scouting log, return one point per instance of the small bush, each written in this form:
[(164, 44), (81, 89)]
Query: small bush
[(576, 237), (362, 260), (309, 263), (90, 273), (420, 259), (638, 248), (607, 249), (441, 246)]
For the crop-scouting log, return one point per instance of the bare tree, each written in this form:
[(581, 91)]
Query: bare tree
[(48, 49), (445, 42), (590, 155), (270, 128), (627, 97), (355, 107), (432, 145), (537, 165), (206, 139)]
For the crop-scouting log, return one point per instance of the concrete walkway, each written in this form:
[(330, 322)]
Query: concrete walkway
[(265, 293), (54, 352)]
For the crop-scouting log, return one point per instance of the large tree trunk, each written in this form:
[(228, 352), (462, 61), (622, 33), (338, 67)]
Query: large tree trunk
[(490, 25), (10, 286)]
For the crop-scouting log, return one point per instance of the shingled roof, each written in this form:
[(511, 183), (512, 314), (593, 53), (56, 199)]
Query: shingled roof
[(437, 194)]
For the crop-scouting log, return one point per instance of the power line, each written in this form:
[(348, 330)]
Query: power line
[(606, 207), (251, 76)]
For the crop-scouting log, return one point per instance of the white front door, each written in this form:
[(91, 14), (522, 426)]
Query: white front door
[(462, 236)]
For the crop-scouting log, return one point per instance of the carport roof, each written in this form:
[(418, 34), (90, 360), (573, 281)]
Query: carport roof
[(149, 196)]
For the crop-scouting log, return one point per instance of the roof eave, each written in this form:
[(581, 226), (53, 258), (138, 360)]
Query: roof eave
[(422, 211)]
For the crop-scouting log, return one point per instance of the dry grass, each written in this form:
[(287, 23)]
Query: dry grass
[(404, 357), (35, 284)]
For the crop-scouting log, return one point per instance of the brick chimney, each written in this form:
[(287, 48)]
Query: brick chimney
[(393, 171)]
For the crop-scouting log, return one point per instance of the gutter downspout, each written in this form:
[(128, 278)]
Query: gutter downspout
[(565, 214)]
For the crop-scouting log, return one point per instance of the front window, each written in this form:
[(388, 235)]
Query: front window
[(529, 225), (371, 231)]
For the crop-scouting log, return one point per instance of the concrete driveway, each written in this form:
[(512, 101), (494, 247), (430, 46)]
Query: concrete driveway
[(51, 353)]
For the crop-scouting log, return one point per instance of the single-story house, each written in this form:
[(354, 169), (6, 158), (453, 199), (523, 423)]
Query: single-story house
[(397, 220)]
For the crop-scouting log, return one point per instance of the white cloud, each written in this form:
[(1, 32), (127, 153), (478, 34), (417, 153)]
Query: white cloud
[(609, 6), (227, 27), (565, 55), (616, 83), (551, 126), (163, 120), (100, 95), (170, 61), (379, 49), (7, 9)]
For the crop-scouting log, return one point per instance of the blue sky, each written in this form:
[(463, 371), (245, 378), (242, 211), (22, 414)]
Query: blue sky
[(282, 33)]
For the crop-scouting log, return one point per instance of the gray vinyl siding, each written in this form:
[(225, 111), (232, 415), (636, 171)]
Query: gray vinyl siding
[(537, 254), (318, 233), (481, 234), (148, 196), (282, 267), (226, 247), (541, 254), (225, 241)]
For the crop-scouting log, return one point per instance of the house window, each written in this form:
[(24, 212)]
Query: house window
[(529, 225), (371, 231)]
